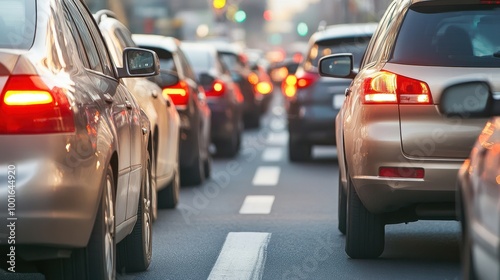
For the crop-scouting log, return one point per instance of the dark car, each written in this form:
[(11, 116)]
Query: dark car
[(223, 97), (312, 102), (190, 101), (75, 160), (398, 155), (234, 59)]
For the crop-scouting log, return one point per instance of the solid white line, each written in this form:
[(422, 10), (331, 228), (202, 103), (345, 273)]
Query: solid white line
[(242, 257), (266, 176), (257, 204), (277, 138), (272, 154)]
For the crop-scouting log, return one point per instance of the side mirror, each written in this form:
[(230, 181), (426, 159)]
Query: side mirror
[(468, 100), (139, 63), (168, 78), (337, 66)]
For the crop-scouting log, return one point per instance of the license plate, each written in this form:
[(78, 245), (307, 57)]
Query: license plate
[(338, 100)]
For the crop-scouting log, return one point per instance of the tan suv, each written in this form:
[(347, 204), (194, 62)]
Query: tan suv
[(398, 155)]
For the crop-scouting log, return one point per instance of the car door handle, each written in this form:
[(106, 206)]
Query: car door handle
[(154, 94), (347, 92), (128, 105), (169, 103), (108, 98)]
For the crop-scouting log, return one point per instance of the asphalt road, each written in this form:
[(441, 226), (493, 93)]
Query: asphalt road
[(262, 217)]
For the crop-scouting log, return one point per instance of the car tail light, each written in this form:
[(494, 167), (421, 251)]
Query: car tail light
[(305, 79), (253, 78), (389, 88), (218, 88), (29, 106), (179, 93), (401, 172), (264, 87), (289, 86)]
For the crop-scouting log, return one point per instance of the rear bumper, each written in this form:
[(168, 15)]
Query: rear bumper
[(313, 131), (223, 120), (55, 202)]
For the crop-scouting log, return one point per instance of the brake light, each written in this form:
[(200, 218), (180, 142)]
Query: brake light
[(401, 172), (218, 88), (253, 78), (389, 88), (264, 87), (28, 106), (289, 86), (305, 79), (179, 93)]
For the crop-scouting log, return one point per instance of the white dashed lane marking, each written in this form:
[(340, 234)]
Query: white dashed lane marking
[(272, 154), (266, 176), (257, 204), (242, 257)]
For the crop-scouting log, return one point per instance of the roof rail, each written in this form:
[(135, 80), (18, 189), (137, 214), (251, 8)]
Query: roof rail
[(99, 15)]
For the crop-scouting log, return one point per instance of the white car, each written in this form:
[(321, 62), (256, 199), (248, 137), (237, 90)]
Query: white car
[(160, 110)]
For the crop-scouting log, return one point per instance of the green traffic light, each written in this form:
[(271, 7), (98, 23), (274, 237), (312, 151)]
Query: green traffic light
[(302, 29), (240, 16)]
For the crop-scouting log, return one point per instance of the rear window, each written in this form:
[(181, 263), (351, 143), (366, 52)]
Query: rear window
[(454, 36), (200, 60), (354, 45), (17, 24), (166, 58)]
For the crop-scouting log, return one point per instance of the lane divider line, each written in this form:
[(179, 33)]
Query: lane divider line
[(257, 204), (266, 176), (243, 256), (272, 154)]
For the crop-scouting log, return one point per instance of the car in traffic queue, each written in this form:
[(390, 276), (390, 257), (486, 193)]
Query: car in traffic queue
[(223, 97), (398, 155), (179, 82), (75, 162), (313, 102), (161, 113), (478, 178), (234, 59)]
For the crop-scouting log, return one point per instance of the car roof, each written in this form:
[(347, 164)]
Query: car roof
[(345, 31), (199, 46), (158, 41)]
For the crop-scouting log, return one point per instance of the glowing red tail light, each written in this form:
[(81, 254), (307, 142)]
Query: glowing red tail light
[(216, 89), (28, 106), (389, 88), (179, 93), (305, 79)]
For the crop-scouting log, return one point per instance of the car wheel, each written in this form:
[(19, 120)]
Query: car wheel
[(342, 207), (195, 174), (365, 230), (298, 151), (208, 166), (169, 196), (98, 259), (253, 120), (230, 147), (135, 251)]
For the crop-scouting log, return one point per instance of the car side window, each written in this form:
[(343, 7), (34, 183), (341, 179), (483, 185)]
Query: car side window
[(86, 38), (75, 34), (102, 51), (186, 67), (373, 50)]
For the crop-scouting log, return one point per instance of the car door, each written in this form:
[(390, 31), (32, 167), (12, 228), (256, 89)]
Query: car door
[(106, 87)]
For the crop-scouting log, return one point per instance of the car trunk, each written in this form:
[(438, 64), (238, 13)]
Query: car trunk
[(425, 132), (325, 97)]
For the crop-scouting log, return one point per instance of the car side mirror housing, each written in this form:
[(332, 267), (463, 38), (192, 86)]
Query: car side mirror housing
[(139, 63), (468, 100), (337, 66)]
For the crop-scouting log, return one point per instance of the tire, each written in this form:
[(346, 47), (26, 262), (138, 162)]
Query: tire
[(252, 120), (342, 207), (230, 147), (298, 151), (208, 166), (135, 251), (168, 198), (98, 260), (195, 174), (365, 231)]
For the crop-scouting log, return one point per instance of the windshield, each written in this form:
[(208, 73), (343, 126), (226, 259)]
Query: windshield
[(450, 36), (17, 23)]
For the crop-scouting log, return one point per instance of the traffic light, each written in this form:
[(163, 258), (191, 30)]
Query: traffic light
[(240, 16), (302, 29), (267, 15), (219, 4)]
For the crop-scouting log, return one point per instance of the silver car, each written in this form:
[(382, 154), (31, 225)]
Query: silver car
[(398, 155), (75, 171), (161, 113)]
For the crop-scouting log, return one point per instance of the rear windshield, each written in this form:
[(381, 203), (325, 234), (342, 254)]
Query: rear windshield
[(166, 58), (200, 60), (354, 45), (459, 35), (17, 24)]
